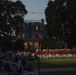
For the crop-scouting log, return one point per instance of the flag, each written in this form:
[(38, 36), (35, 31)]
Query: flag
[(39, 39)]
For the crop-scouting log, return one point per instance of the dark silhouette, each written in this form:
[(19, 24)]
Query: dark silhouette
[(61, 21), (11, 20)]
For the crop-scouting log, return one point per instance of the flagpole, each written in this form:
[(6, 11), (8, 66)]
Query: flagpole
[(39, 39), (39, 60)]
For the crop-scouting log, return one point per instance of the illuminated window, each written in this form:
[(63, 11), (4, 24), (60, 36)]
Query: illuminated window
[(37, 28), (32, 35), (18, 35), (36, 45), (23, 36), (31, 44), (26, 44)]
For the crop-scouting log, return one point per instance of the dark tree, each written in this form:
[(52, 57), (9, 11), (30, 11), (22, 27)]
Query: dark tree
[(11, 18), (61, 20), (19, 45)]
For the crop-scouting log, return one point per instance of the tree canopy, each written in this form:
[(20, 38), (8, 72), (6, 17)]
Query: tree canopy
[(11, 17), (61, 21), (19, 45)]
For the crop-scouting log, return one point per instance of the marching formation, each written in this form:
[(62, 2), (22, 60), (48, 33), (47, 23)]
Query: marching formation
[(56, 53)]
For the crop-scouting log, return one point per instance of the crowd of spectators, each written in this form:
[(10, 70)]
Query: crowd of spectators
[(14, 63)]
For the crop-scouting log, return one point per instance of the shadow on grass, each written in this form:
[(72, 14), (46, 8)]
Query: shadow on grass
[(59, 73), (55, 65)]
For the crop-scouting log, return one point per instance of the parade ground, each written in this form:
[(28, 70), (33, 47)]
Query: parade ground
[(58, 66)]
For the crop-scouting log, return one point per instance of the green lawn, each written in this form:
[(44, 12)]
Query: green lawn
[(57, 62)]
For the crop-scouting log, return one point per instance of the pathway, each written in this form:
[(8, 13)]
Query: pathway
[(56, 69)]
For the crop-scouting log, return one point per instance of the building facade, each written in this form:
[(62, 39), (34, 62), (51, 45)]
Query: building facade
[(33, 34)]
